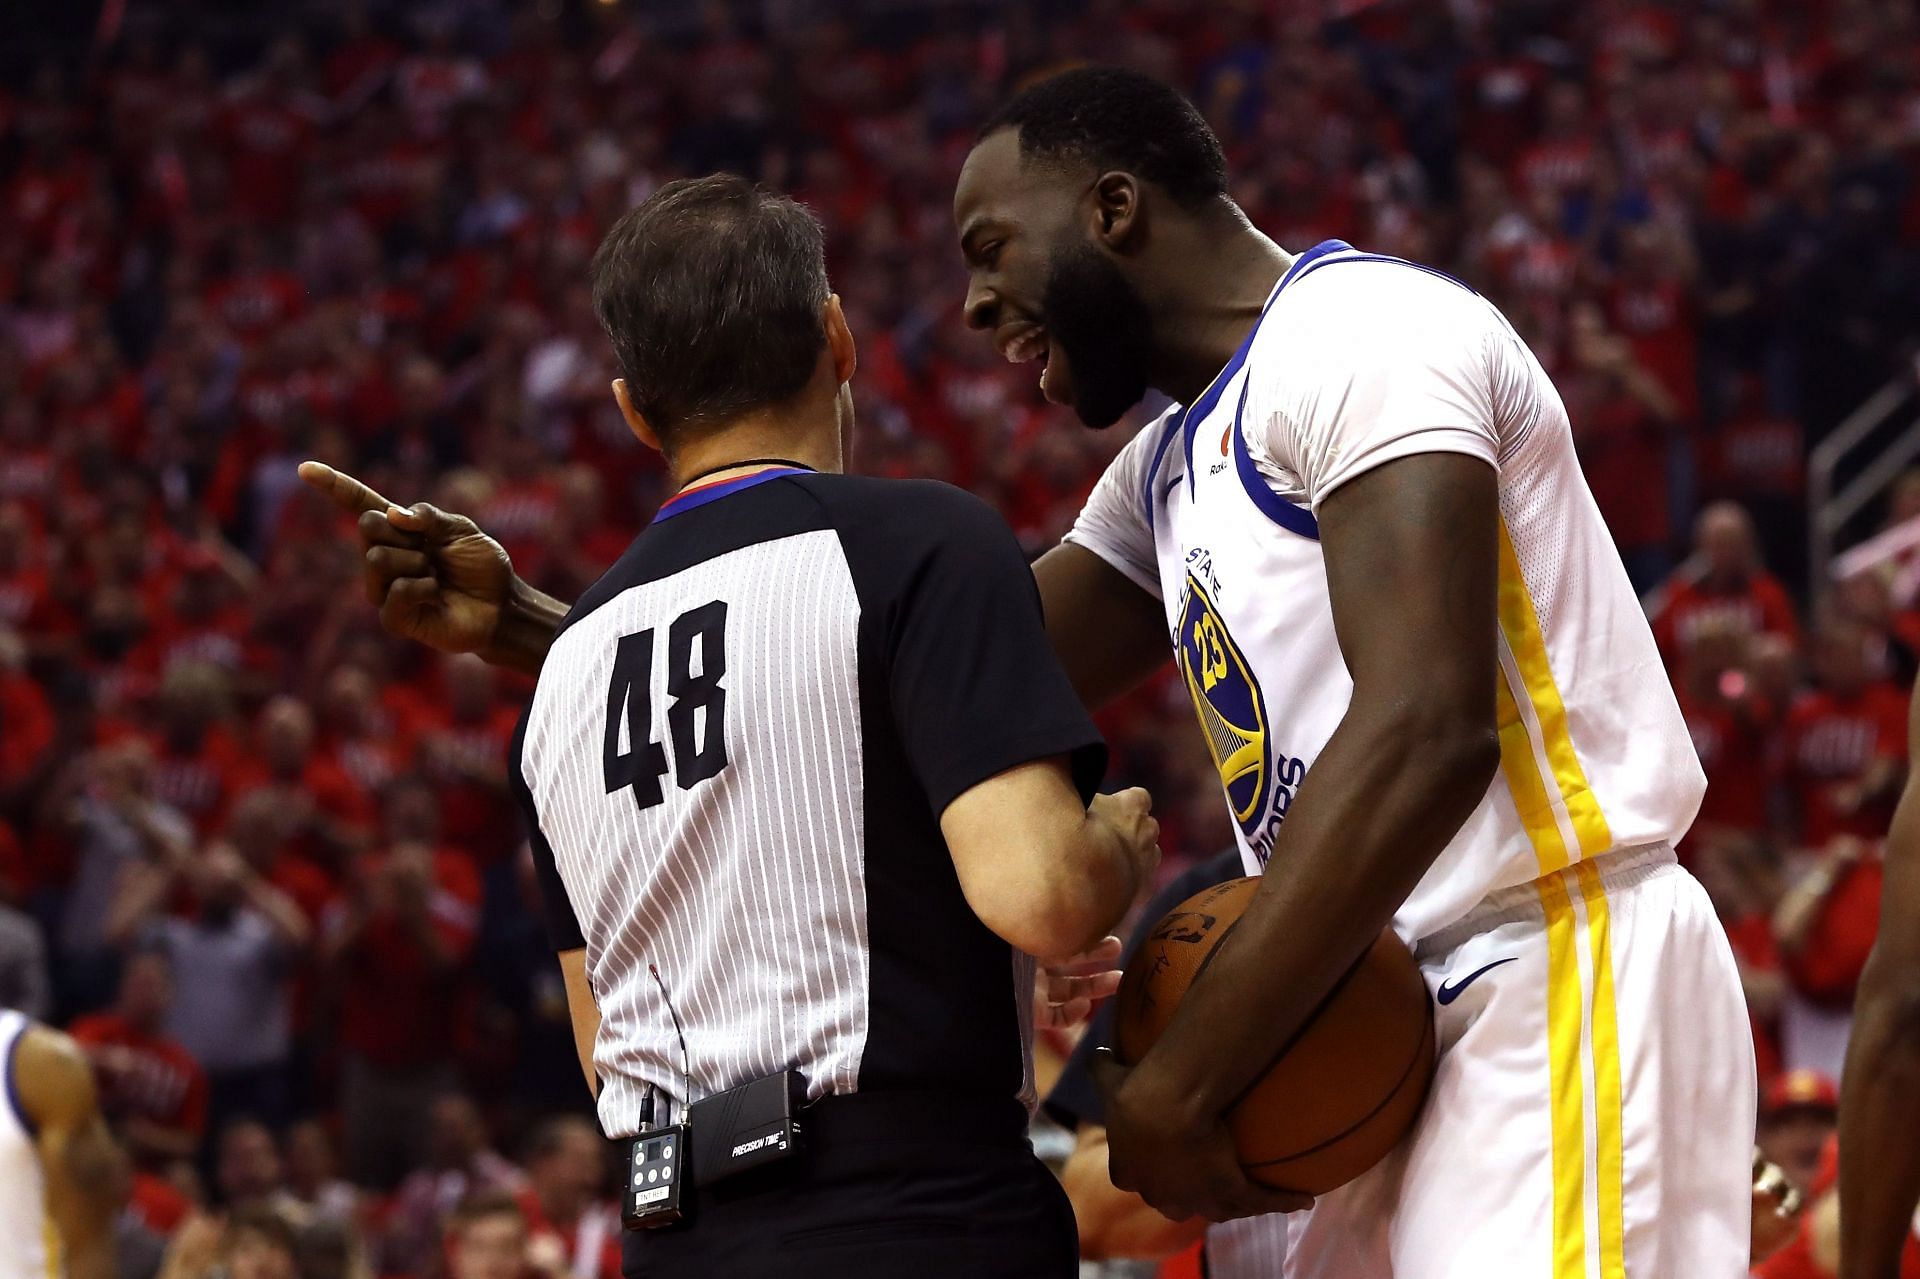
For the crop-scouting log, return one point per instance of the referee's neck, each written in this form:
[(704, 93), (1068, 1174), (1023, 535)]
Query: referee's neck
[(802, 434)]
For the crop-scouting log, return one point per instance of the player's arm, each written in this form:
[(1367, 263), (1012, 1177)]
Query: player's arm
[(1880, 1096), (1099, 587), (1108, 633), (57, 1093), (583, 1011), (1412, 568), (1046, 873), (436, 578)]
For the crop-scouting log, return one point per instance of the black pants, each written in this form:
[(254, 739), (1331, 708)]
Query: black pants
[(914, 1185)]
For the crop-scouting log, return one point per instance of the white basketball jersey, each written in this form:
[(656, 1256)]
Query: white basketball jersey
[(27, 1248), (1358, 360)]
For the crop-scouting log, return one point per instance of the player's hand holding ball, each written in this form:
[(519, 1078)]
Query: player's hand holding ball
[(434, 576), (1182, 1163)]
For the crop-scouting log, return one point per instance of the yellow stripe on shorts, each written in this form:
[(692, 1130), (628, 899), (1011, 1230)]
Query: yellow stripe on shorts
[(1564, 1008), (1520, 624), (1609, 1156)]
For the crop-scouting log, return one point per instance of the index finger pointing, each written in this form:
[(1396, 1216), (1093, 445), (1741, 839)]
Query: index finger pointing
[(347, 493)]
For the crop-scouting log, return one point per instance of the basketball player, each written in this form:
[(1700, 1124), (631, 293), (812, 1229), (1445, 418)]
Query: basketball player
[(56, 1159), (1430, 691), (1880, 1094)]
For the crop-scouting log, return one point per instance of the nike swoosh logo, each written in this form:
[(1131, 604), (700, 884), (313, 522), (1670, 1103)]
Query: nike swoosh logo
[(1450, 990)]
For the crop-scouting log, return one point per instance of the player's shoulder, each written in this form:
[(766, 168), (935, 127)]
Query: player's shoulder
[(1353, 302)]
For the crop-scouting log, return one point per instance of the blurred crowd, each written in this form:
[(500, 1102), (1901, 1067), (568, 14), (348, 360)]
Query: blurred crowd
[(260, 859)]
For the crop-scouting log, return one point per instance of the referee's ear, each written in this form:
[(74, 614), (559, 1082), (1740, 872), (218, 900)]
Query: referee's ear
[(839, 340), (642, 431)]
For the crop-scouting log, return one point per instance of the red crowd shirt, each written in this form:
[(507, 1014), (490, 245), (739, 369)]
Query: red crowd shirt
[(1832, 741), (224, 640), (1656, 318), (1760, 605), (1759, 456), (398, 1010), (143, 1076), (258, 303), (1732, 747), (473, 814), (199, 781), (26, 727), (1623, 450), (1827, 967), (1752, 939), (158, 1205), (333, 790)]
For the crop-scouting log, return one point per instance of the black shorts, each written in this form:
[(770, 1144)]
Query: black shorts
[(915, 1185)]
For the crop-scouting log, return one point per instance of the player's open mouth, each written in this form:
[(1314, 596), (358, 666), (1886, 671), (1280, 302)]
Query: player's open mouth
[(1026, 343)]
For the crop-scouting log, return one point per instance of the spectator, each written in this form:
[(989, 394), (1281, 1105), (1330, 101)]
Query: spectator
[(458, 1163), (397, 947), (326, 811), (104, 803), (247, 1245), (463, 752), (1740, 876), (260, 829), (234, 951), (1622, 416), (1825, 926), (1733, 727), (1721, 584), (313, 1180), (1846, 741), (567, 1202), (248, 1173), (488, 1238), (1797, 1116), (152, 1090), (194, 756)]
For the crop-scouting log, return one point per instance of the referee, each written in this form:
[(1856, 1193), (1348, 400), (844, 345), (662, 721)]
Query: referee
[(806, 785)]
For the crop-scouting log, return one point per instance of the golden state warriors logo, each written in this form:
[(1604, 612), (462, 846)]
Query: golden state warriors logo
[(1233, 717)]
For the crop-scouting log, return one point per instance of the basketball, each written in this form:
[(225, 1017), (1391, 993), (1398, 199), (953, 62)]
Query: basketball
[(1343, 1094)]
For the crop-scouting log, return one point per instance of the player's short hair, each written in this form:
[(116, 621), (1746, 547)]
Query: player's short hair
[(1117, 119), (712, 291)]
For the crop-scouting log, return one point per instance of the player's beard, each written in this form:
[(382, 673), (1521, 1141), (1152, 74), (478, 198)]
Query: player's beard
[(1105, 330)]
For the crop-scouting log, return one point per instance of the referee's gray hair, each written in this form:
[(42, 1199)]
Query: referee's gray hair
[(711, 291)]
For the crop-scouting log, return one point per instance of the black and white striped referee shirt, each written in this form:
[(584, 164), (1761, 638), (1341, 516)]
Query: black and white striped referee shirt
[(733, 768)]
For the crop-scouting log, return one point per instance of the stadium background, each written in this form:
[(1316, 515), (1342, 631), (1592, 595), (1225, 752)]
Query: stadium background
[(260, 858)]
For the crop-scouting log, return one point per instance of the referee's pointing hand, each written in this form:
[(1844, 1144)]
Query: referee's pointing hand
[(435, 577)]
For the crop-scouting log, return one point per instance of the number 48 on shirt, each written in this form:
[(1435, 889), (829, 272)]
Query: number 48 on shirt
[(699, 741)]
